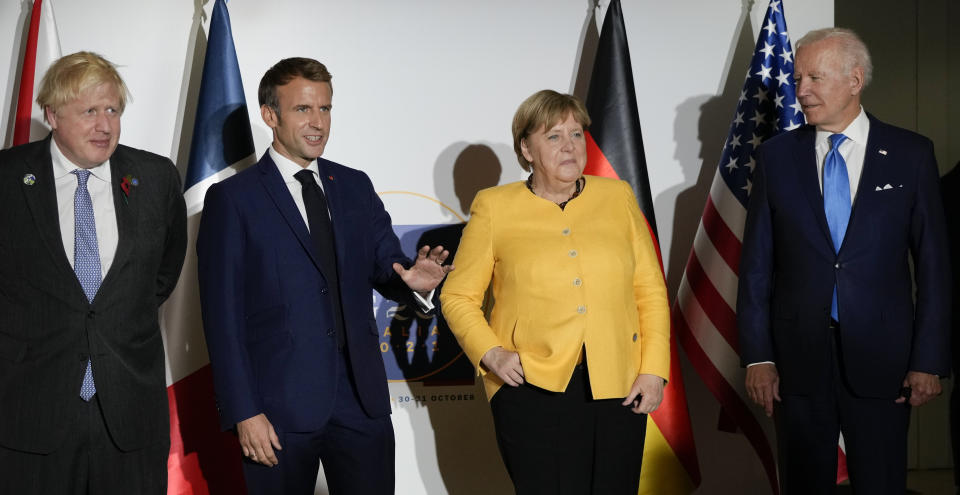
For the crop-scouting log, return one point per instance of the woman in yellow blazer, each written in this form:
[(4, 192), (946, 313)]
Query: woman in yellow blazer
[(579, 331)]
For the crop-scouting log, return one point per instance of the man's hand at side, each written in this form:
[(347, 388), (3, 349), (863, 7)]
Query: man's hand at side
[(763, 385), (258, 439)]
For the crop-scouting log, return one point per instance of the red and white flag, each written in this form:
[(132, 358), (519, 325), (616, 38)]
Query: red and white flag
[(42, 49)]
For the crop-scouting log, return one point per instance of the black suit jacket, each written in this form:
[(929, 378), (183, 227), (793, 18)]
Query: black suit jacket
[(48, 329)]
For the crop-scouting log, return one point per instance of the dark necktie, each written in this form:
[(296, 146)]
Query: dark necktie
[(321, 231), (836, 201), (86, 259)]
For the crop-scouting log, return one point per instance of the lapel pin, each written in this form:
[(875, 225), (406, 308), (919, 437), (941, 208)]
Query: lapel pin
[(883, 152), (29, 179), (330, 177), (125, 185)]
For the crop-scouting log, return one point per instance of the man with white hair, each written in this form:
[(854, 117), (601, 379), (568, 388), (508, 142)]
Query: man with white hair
[(829, 331)]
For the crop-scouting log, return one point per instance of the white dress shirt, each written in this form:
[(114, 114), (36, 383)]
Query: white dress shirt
[(288, 168), (852, 149), (101, 194)]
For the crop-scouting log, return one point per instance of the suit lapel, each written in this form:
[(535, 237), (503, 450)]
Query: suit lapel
[(280, 195), (41, 198), (872, 165), (127, 207), (806, 163)]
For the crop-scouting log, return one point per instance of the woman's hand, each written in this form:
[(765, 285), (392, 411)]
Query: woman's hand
[(506, 365), (649, 388)]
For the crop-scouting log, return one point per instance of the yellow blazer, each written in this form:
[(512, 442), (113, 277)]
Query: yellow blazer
[(587, 276)]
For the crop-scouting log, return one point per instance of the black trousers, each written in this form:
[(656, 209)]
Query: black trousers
[(357, 452), (568, 443), (874, 433), (88, 462)]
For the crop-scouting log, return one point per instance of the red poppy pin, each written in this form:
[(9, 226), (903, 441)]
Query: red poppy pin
[(128, 182)]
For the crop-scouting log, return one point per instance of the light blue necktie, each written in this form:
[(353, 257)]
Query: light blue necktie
[(836, 201), (86, 258)]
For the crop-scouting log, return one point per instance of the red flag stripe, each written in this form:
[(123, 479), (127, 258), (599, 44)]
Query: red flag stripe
[(672, 417), (731, 400), (597, 163), (724, 240), (21, 125), (714, 306)]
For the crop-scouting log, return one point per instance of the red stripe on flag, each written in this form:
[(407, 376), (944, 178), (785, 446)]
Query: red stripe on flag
[(673, 415), (203, 460), (21, 126), (724, 240), (673, 418), (597, 163), (729, 398), (716, 308)]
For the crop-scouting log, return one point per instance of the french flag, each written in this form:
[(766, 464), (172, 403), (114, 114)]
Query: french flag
[(41, 50), (203, 459)]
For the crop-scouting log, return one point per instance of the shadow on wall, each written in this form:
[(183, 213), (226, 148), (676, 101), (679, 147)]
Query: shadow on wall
[(728, 464), (466, 452), (710, 117)]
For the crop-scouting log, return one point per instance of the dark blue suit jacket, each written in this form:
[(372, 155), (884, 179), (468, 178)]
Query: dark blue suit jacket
[(267, 313), (788, 267)]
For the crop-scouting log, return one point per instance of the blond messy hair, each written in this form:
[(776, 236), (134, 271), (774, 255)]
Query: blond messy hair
[(75, 73), (543, 110)]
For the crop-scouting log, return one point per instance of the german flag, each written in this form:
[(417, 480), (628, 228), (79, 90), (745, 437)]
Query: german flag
[(615, 149)]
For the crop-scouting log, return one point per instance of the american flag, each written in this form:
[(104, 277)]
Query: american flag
[(704, 312)]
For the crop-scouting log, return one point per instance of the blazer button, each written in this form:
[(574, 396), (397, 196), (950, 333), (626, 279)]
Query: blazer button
[(573, 253), (565, 231), (323, 290), (329, 332), (836, 265), (581, 309), (577, 282), (634, 336)]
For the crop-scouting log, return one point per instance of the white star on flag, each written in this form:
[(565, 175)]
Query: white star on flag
[(732, 164)]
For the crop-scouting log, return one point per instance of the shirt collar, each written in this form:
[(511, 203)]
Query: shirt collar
[(288, 168), (857, 131), (63, 166)]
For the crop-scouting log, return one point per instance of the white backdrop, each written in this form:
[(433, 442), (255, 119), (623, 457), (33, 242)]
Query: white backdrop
[(415, 83)]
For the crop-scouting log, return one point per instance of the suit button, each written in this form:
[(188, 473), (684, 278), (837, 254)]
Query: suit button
[(565, 231), (573, 253), (323, 290), (581, 309), (577, 282), (836, 265), (634, 337), (91, 314), (329, 332)]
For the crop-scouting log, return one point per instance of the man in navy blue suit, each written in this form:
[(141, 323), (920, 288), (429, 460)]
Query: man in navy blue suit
[(830, 333), (286, 268)]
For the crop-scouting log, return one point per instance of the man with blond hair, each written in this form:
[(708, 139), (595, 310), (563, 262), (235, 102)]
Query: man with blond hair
[(829, 331), (92, 239)]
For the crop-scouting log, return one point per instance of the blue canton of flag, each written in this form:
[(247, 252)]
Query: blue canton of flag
[(768, 104)]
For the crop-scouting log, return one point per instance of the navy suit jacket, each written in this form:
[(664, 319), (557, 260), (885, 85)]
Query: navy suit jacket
[(788, 267), (267, 313)]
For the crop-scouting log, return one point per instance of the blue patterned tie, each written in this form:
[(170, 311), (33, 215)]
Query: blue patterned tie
[(86, 258), (836, 201)]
